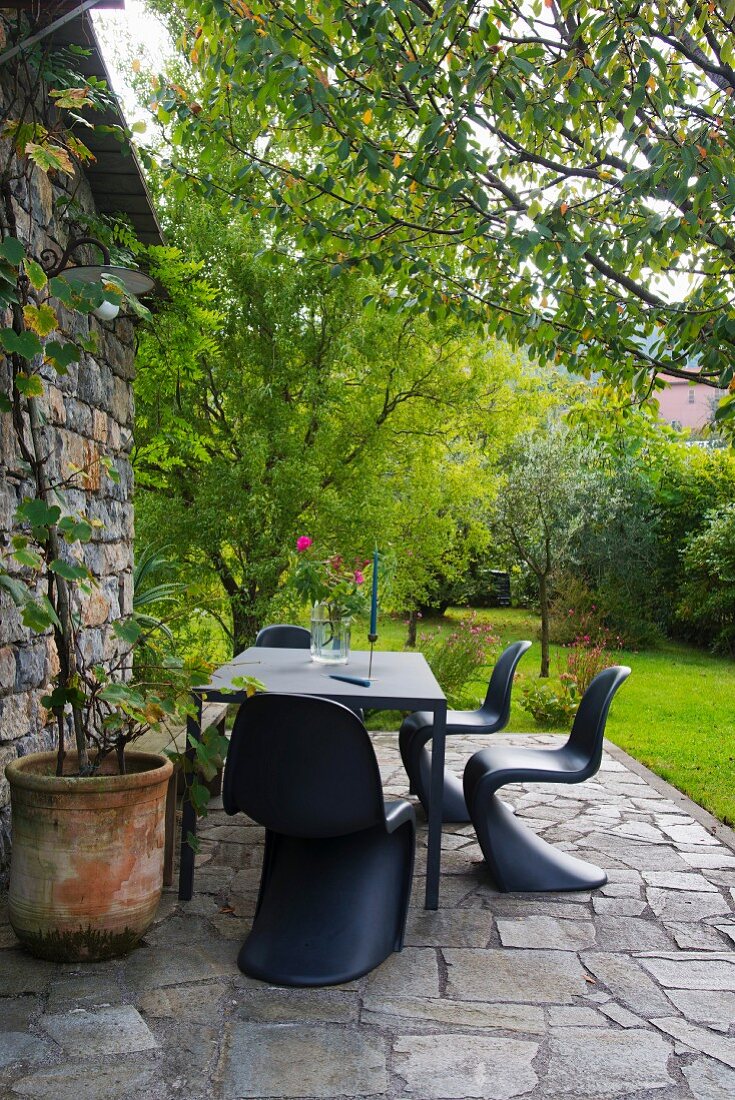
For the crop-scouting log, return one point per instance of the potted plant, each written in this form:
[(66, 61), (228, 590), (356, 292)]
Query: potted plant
[(87, 819), (336, 592)]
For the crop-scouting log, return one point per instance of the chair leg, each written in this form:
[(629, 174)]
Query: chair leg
[(408, 833), (454, 807), (521, 861)]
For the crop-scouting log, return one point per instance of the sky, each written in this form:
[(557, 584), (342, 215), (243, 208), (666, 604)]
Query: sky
[(124, 36)]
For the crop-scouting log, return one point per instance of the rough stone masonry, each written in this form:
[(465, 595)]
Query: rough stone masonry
[(89, 414)]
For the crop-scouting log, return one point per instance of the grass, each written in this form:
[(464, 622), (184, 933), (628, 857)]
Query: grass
[(676, 713)]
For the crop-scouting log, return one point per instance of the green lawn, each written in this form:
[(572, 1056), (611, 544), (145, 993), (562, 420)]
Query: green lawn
[(676, 713)]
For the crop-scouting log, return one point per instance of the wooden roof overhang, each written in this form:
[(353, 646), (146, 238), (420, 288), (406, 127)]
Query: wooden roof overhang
[(116, 175)]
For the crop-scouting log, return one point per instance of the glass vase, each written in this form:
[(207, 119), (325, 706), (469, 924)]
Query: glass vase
[(330, 636)]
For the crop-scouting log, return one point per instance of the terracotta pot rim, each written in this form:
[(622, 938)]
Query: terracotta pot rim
[(21, 773)]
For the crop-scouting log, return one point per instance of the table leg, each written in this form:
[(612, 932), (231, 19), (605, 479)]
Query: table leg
[(436, 798), (188, 816)]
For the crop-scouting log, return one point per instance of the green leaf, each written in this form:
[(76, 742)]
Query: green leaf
[(61, 696), (68, 571), (40, 515), (36, 274), (25, 344), (128, 630), (30, 385), (120, 694), (61, 355), (6, 405), (193, 841), (12, 250), (62, 290), (39, 615), (75, 530), (23, 554), (16, 589), (199, 795)]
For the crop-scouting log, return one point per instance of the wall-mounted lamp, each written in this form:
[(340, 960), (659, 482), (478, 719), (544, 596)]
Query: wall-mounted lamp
[(134, 281)]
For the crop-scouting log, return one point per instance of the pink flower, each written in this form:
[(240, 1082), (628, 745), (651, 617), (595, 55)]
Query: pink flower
[(303, 543), (359, 579)]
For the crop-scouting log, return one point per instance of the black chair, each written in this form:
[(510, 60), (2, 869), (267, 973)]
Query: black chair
[(284, 636), (516, 857), (338, 861), (492, 717)]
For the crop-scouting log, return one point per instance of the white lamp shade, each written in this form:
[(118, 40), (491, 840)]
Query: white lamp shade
[(108, 311)]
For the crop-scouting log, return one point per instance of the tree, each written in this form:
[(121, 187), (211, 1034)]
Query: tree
[(561, 171), (282, 404), (542, 505)]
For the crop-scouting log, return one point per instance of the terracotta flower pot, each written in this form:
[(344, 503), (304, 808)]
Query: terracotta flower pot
[(87, 867)]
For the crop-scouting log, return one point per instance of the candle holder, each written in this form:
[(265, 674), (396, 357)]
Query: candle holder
[(372, 638)]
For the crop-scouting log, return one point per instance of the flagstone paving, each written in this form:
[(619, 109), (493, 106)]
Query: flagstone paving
[(628, 991)]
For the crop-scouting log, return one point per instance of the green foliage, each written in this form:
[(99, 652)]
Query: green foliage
[(562, 162), (707, 594), (152, 594), (295, 406), (551, 703), (694, 482), (457, 658), (542, 507)]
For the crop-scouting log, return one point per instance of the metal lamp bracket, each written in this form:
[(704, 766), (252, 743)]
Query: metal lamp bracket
[(54, 263)]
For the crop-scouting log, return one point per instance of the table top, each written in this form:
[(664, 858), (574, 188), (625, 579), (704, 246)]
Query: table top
[(402, 681)]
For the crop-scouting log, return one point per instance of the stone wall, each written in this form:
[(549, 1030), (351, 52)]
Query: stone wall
[(89, 415)]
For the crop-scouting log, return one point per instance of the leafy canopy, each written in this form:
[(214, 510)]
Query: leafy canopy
[(562, 171)]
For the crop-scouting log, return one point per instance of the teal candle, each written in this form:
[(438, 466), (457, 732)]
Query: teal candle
[(374, 599)]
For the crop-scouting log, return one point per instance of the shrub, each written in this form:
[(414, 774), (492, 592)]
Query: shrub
[(585, 658), (707, 605), (575, 611), (551, 703), (554, 703), (458, 658)]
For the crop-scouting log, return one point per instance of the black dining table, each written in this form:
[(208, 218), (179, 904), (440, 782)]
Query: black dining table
[(399, 681)]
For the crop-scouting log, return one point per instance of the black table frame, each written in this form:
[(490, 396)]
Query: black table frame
[(362, 697)]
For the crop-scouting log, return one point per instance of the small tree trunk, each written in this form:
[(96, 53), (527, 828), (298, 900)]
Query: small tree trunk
[(413, 619), (543, 596), (60, 753), (64, 632)]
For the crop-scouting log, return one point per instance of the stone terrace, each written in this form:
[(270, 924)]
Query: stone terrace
[(629, 992)]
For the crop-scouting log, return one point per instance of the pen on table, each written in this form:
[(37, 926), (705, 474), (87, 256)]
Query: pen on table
[(350, 680)]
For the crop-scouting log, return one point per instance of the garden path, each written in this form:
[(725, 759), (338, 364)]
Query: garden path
[(625, 992)]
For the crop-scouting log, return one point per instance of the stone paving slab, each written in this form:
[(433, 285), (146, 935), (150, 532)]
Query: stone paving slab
[(628, 991)]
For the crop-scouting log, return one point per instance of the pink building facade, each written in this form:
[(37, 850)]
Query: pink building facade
[(688, 405)]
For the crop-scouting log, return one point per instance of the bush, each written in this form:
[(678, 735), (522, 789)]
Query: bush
[(551, 703), (707, 604), (585, 658), (611, 612), (457, 659), (575, 611), (554, 703)]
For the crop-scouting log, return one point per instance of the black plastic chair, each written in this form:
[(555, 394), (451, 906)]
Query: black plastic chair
[(516, 857), (492, 717), (338, 860), (284, 636)]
